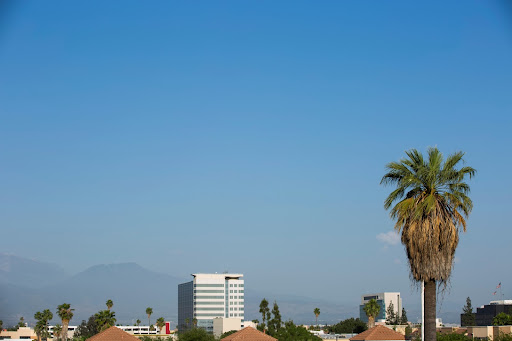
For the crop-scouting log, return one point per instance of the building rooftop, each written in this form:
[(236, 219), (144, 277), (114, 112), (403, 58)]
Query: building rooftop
[(217, 275), (249, 334), (378, 333), (113, 334)]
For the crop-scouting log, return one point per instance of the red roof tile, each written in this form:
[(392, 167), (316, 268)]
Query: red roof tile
[(113, 334), (378, 333), (249, 334)]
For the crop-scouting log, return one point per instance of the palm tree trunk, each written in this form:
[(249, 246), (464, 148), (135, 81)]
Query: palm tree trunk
[(371, 322), (64, 331), (430, 310)]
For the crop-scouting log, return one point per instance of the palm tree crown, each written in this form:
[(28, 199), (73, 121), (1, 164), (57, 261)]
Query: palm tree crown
[(109, 304), (371, 309), (431, 203)]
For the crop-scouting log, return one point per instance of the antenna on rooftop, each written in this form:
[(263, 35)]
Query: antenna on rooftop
[(225, 272)]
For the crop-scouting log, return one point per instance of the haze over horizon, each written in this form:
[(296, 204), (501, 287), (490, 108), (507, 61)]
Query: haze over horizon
[(251, 137)]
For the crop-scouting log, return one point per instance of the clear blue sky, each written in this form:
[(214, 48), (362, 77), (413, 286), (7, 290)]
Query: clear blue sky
[(250, 136)]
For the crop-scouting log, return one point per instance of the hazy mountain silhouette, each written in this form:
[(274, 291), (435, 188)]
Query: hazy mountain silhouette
[(25, 289), (28, 273)]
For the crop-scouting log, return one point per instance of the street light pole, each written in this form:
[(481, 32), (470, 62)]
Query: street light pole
[(422, 310)]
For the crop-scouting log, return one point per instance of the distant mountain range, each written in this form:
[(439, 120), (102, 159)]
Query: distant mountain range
[(28, 286)]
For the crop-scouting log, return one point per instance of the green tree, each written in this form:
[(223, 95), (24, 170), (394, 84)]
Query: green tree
[(187, 323), (1, 326), (196, 334), (350, 325), (317, 313), (194, 322), (21, 323), (275, 323), (160, 323), (467, 318), (391, 317), (41, 327), (292, 332), (502, 337), (431, 203), (403, 318), (66, 314), (228, 333), (87, 329), (149, 311), (452, 337), (57, 331), (105, 319), (502, 319), (138, 322), (265, 314), (109, 304), (371, 309)]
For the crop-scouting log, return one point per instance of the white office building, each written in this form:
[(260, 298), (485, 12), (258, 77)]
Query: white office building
[(383, 300), (209, 296)]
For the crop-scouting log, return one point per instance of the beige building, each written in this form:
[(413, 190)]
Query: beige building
[(488, 332), (21, 333)]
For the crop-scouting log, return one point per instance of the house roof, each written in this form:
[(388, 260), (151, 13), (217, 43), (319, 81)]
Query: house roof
[(113, 334), (249, 334), (378, 333)]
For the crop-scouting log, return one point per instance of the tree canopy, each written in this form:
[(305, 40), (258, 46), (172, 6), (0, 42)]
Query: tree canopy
[(467, 318)]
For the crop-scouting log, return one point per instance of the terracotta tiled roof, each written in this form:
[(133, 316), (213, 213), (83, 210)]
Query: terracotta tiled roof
[(249, 334), (113, 334), (379, 333)]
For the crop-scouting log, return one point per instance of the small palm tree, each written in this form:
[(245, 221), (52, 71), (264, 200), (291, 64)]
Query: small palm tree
[(317, 313), (431, 204), (105, 319), (66, 314), (160, 323), (138, 322), (109, 304), (149, 311), (57, 331), (194, 322), (187, 322), (372, 309)]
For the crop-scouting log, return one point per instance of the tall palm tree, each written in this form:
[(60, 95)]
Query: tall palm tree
[(317, 313), (57, 331), (149, 311), (66, 314), (160, 323), (109, 304), (41, 327), (430, 206), (372, 309)]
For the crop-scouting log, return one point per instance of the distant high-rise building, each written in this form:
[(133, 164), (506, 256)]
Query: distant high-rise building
[(486, 313), (208, 296), (383, 299)]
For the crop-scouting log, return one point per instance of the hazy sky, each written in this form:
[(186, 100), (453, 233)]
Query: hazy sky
[(250, 136)]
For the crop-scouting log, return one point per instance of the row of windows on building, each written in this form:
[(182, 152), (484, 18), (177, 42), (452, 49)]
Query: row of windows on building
[(231, 285), (209, 291), (220, 309), (235, 291), (219, 315), (241, 297)]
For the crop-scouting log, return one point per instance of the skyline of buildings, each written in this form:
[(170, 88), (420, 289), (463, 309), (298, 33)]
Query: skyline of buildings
[(208, 296)]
